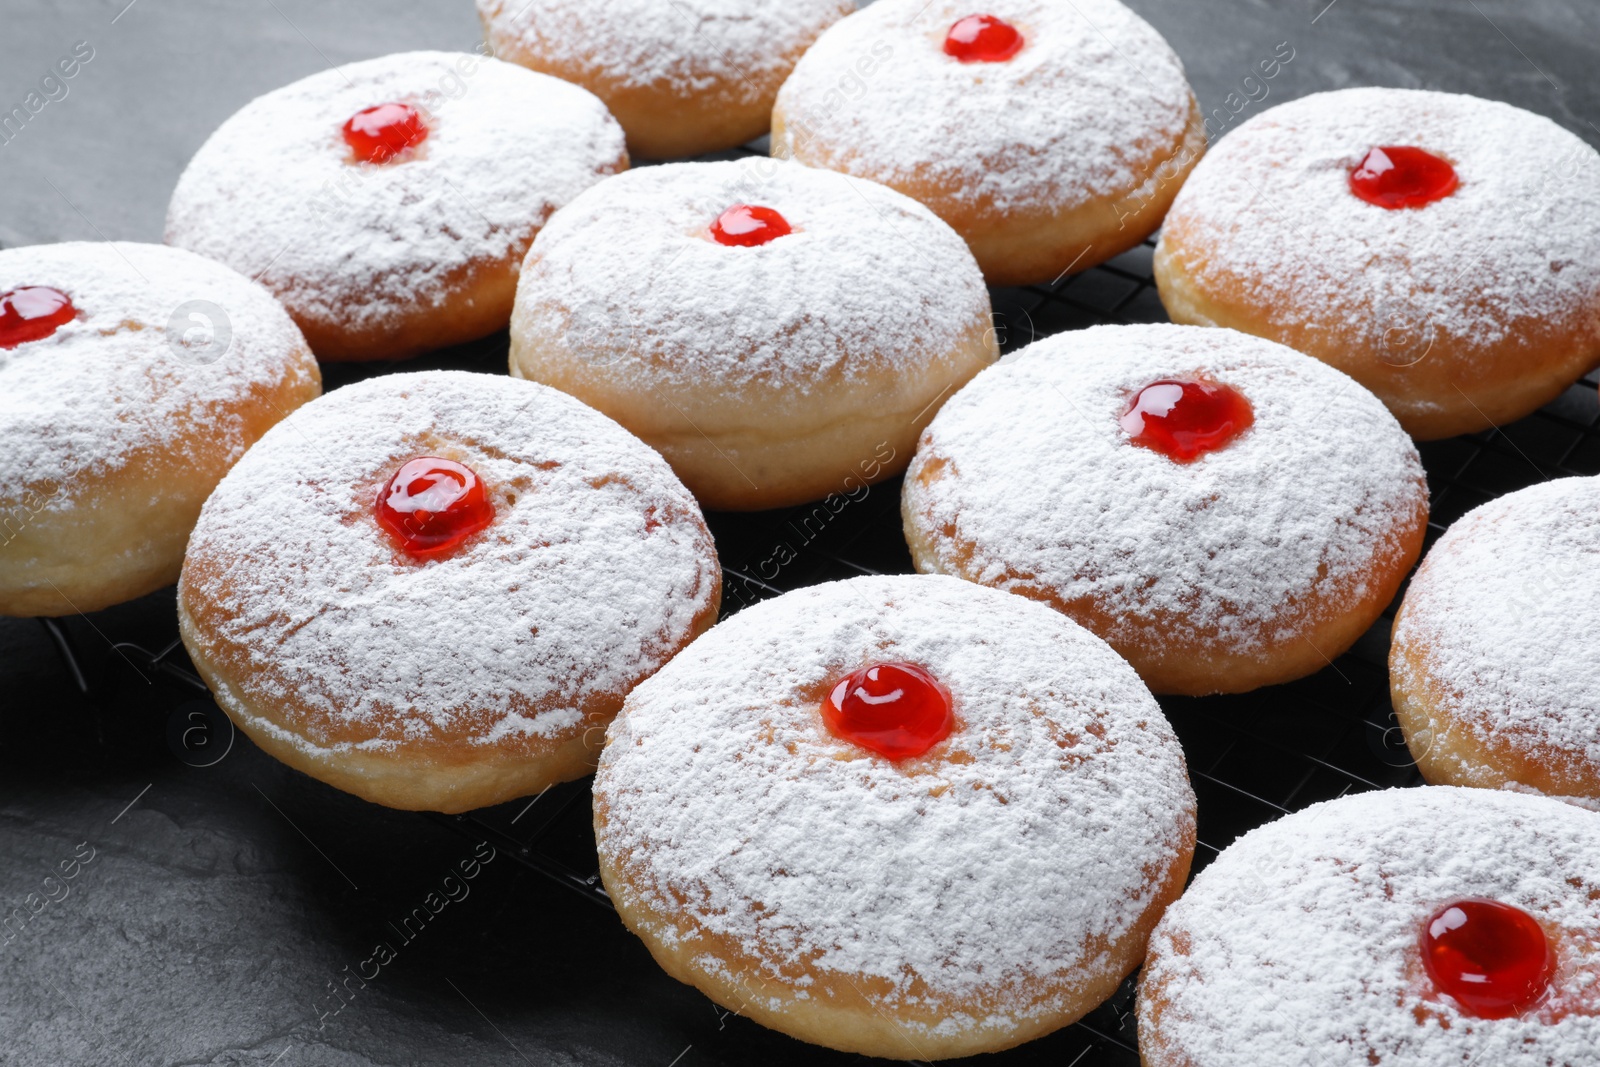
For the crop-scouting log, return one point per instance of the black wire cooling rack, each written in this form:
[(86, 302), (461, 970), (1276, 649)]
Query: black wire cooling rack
[(1252, 757)]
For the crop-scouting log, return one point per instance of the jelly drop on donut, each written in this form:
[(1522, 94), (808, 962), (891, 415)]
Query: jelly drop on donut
[(32, 313), (1184, 419), (748, 225), (378, 134), (982, 39), (431, 505), (897, 710), (1397, 176), (1492, 958)]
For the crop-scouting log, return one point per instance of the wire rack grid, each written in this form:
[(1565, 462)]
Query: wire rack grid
[(1252, 757)]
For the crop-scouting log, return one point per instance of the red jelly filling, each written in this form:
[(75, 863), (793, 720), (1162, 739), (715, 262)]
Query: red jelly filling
[(897, 710), (1185, 419), (1492, 958), (32, 313), (380, 133), (746, 225), (982, 39), (431, 505), (1397, 176)]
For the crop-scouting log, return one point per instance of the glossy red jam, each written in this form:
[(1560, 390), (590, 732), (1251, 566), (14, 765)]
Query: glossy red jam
[(1396, 176), (897, 710), (747, 225), (982, 39), (378, 134), (1184, 419), (32, 313), (1492, 958), (431, 505)]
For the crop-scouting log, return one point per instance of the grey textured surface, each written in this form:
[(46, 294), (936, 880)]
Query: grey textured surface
[(219, 906)]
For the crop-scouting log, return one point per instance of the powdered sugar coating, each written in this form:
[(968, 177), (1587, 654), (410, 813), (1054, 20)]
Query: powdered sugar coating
[(593, 572), (273, 193), (1046, 492), (975, 872), (1298, 945), (1089, 107), (1517, 243), (870, 282), (1498, 615), (685, 46), (163, 342)]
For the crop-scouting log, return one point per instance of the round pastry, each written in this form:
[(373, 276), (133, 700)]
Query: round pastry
[(1227, 513), (132, 376), (1385, 232), (684, 77), (389, 203), (1407, 928), (902, 816), (1051, 136), (434, 590), (1491, 670), (778, 333)]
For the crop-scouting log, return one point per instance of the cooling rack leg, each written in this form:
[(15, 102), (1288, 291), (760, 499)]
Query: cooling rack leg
[(68, 652)]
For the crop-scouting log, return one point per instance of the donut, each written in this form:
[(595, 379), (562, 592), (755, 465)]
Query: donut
[(132, 376), (433, 590), (1225, 512), (1051, 136), (1490, 671), (778, 333), (903, 816), (1385, 232), (683, 78), (1405, 928), (389, 203)]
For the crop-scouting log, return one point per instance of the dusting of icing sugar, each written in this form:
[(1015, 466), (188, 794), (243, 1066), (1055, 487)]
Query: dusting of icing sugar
[(1298, 945), (272, 192), (869, 282), (592, 574), (1501, 612), (1518, 242), (1586, 803), (1093, 103), (972, 871), (132, 372), (1049, 493), (688, 46)]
